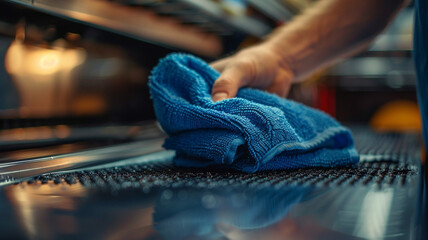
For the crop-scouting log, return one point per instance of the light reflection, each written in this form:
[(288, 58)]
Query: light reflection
[(35, 133), (231, 214), (49, 63), (43, 76), (372, 221), (62, 131), (22, 59), (59, 211), (56, 210), (71, 76), (42, 152), (87, 104), (32, 202)]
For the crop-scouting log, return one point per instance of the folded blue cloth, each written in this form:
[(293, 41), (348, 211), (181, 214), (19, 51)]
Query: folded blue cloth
[(252, 132)]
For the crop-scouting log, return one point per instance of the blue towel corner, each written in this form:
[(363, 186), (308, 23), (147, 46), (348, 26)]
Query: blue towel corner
[(252, 132)]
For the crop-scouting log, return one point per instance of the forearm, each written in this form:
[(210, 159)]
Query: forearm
[(329, 31)]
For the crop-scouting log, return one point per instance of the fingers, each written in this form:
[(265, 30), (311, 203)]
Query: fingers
[(253, 68), (281, 85), (279, 89), (227, 85), (220, 65)]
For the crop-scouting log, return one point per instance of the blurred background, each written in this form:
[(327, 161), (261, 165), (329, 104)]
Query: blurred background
[(74, 97), (69, 66)]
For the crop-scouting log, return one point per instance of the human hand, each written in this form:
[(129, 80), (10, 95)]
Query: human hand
[(258, 67)]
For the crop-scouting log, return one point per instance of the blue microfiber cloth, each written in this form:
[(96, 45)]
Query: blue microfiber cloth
[(252, 132)]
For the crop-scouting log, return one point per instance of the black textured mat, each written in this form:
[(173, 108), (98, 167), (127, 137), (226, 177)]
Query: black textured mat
[(386, 159)]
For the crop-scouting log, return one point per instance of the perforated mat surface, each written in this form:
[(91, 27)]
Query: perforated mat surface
[(386, 159)]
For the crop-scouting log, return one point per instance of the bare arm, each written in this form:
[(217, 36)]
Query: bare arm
[(328, 31)]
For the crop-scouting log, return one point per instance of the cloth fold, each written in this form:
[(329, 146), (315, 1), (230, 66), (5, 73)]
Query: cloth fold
[(254, 131)]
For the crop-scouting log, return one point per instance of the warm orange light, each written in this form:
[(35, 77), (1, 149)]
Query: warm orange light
[(49, 62), (42, 74), (88, 104), (62, 131), (399, 115), (30, 61), (30, 133)]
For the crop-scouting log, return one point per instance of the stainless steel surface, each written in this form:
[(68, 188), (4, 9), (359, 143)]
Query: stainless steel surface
[(73, 211), (37, 166), (131, 142), (57, 134), (146, 197), (246, 24), (273, 8), (134, 23)]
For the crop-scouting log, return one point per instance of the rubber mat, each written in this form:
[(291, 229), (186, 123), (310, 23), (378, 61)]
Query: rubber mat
[(386, 159)]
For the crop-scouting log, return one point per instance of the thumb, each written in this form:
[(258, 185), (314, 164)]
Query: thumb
[(227, 85)]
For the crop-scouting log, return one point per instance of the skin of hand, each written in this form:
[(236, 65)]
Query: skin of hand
[(259, 67), (328, 31)]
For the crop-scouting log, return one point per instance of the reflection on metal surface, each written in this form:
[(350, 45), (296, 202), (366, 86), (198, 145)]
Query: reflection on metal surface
[(71, 77), (31, 133), (374, 215), (135, 23), (43, 77), (55, 213), (60, 211), (28, 202), (147, 197), (63, 131), (236, 214), (37, 166), (17, 138), (28, 153)]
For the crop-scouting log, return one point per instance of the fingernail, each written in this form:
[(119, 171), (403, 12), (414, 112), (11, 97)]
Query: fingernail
[(219, 96)]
